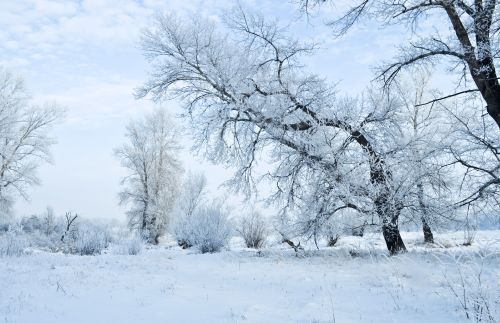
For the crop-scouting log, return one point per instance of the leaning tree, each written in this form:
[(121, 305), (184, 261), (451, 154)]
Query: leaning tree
[(247, 95), (472, 43)]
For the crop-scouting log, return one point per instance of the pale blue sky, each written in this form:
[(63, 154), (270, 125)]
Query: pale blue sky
[(85, 56)]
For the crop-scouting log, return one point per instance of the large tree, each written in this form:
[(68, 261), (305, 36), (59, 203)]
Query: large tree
[(152, 183), (473, 41), (247, 94), (24, 138)]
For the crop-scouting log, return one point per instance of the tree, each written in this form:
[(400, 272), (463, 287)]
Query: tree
[(154, 173), (474, 152), (423, 135), (24, 139), (246, 93), (471, 45), (193, 193)]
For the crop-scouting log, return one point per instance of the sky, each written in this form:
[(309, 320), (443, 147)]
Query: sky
[(84, 55)]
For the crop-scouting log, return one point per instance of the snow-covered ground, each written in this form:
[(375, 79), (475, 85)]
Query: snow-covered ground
[(354, 282)]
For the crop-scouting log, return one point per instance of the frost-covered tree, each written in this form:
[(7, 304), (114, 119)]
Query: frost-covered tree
[(422, 158), (193, 193), (24, 138), (471, 43), (474, 152), (246, 93), (152, 183)]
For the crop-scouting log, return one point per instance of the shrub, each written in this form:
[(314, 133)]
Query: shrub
[(129, 244), (208, 229), (134, 245), (181, 229), (252, 228), (31, 224), (5, 223), (88, 239), (12, 243)]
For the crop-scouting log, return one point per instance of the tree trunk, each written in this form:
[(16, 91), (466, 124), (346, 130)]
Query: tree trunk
[(387, 209), (393, 238), (428, 236), (388, 213), (492, 98)]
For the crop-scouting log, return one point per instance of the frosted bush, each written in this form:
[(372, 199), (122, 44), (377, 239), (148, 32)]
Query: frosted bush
[(181, 229), (208, 229), (253, 229), (135, 245), (12, 243), (31, 224), (129, 244), (5, 222), (89, 240)]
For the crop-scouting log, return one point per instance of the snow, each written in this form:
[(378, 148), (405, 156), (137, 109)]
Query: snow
[(354, 282)]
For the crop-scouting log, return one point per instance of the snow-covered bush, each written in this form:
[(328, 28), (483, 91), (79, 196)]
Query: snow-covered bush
[(31, 224), (13, 243), (253, 229), (89, 239), (129, 244), (181, 228), (4, 227), (5, 223), (208, 228), (135, 245), (332, 231), (192, 196)]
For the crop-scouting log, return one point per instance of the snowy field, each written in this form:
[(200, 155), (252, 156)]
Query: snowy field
[(353, 282)]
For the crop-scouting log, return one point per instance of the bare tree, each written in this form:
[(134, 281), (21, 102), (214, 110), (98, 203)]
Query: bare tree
[(193, 193), (49, 221), (246, 92), (474, 151), (152, 184), (24, 138), (69, 224), (472, 43), (423, 157)]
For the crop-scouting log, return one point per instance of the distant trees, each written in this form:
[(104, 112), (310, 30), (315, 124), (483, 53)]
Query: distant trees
[(152, 185), (470, 44), (24, 138)]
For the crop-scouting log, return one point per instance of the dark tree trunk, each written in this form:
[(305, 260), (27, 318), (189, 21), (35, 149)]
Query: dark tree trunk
[(428, 236), (481, 67), (387, 209), (393, 238), (492, 98), (389, 214)]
